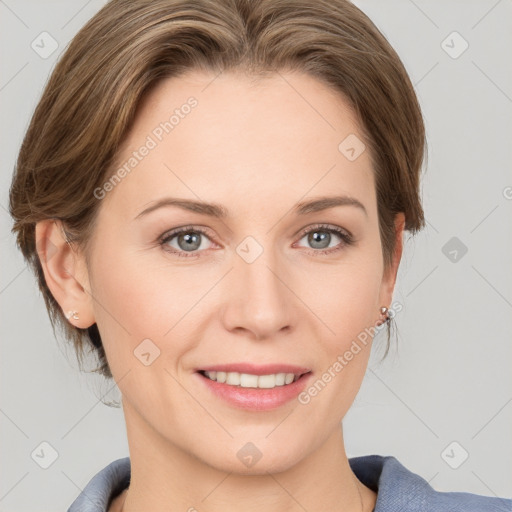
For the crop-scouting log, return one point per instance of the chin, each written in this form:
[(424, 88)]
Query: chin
[(257, 457)]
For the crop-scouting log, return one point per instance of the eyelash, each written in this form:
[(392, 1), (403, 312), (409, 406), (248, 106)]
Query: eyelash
[(344, 235)]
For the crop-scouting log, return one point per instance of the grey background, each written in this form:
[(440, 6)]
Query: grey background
[(448, 381)]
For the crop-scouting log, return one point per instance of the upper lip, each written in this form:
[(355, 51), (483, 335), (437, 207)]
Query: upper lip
[(254, 369)]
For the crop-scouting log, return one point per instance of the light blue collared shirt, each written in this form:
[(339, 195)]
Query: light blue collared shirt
[(397, 488)]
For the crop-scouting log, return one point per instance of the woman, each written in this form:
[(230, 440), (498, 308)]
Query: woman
[(213, 196)]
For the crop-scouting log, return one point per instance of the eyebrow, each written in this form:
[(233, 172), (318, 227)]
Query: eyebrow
[(219, 211)]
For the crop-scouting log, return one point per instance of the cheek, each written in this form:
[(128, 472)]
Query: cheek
[(130, 304), (348, 305), (345, 297), (142, 297)]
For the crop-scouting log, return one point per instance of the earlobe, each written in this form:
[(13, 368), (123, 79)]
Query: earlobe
[(65, 273)]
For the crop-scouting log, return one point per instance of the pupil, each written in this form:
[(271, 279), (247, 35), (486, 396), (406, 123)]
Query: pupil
[(319, 237), (192, 241)]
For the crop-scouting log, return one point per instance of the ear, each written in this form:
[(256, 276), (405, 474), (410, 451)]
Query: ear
[(389, 278), (65, 272)]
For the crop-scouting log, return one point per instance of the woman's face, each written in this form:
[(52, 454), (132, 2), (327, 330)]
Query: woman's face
[(249, 292)]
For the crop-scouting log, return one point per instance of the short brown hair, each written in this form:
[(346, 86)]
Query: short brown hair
[(90, 100)]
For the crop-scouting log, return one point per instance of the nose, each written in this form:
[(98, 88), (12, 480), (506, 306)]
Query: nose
[(258, 299)]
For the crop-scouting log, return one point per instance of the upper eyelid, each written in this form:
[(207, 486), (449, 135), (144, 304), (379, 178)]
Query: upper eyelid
[(327, 227)]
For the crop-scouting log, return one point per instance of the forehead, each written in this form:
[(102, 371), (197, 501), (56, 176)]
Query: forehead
[(229, 136)]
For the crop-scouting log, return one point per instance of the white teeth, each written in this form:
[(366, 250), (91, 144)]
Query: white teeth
[(233, 378), (289, 378), (247, 380), (267, 381), (280, 379)]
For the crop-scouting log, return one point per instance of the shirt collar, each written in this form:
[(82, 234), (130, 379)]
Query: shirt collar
[(397, 488)]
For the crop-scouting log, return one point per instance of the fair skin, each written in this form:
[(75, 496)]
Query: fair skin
[(257, 149)]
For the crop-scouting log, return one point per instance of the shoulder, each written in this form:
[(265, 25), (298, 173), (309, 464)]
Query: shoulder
[(399, 489), (103, 487)]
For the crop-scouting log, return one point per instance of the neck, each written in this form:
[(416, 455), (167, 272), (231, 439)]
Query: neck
[(164, 477)]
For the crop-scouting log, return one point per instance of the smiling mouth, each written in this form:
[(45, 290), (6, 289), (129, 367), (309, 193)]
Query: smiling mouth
[(248, 380)]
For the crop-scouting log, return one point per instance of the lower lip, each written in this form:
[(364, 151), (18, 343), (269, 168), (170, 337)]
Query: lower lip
[(256, 399)]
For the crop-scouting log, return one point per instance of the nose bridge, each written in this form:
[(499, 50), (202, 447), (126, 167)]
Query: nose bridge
[(258, 265), (260, 296)]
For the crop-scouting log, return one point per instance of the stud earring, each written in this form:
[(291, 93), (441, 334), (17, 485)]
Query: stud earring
[(72, 314), (384, 312)]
